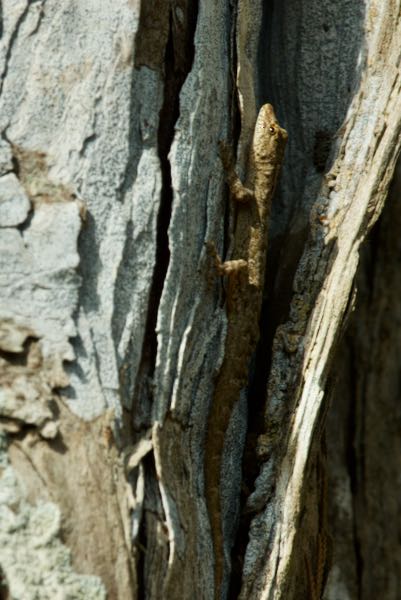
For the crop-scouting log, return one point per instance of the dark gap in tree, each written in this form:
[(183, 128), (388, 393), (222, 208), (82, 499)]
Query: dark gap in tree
[(178, 58), (4, 591), (141, 544), (179, 53), (352, 451), (142, 539), (238, 553), (234, 134)]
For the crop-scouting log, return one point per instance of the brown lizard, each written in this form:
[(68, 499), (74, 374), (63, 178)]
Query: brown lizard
[(244, 298)]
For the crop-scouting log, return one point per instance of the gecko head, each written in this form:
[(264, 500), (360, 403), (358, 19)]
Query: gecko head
[(268, 133)]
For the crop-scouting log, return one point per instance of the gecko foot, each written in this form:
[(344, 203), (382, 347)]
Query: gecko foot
[(227, 267)]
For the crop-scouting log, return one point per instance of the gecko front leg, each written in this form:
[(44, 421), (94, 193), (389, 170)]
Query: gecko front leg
[(238, 190), (239, 193)]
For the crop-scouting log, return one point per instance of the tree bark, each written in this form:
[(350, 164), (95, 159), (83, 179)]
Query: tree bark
[(112, 324)]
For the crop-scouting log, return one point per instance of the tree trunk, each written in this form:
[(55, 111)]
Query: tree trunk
[(113, 324)]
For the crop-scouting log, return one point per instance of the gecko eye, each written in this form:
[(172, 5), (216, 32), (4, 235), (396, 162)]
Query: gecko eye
[(272, 129)]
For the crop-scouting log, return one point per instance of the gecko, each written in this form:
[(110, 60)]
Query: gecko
[(245, 278)]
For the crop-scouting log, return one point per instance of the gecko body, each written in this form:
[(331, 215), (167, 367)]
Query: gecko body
[(245, 279)]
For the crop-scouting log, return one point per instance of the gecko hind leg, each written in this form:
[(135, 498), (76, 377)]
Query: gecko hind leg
[(227, 267)]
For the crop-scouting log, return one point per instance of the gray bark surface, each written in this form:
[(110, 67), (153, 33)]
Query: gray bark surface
[(112, 325)]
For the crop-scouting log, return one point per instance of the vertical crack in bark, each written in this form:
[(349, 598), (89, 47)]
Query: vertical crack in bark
[(175, 27), (178, 58), (12, 40), (4, 591), (149, 465), (352, 461)]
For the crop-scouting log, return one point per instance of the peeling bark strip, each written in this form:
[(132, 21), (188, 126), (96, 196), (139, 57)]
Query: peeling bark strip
[(59, 456), (32, 346), (61, 477), (39, 226)]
